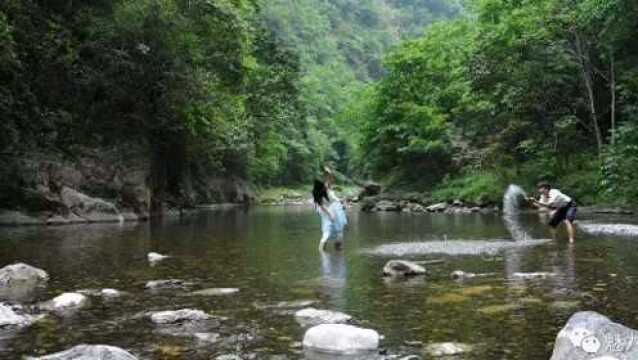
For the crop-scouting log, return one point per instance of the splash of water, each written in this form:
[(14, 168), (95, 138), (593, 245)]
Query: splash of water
[(513, 200)]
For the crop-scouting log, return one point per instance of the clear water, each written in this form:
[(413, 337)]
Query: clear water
[(270, 254)]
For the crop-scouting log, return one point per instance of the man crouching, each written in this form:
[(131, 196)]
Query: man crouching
[(562, 207)]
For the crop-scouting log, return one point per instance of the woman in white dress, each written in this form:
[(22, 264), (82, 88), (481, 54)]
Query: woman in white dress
[(333, 217)]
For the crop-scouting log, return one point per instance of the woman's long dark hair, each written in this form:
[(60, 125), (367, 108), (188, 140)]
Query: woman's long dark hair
[(319, 192)]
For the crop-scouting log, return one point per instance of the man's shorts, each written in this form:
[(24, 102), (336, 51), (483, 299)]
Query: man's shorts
[(567, 212)]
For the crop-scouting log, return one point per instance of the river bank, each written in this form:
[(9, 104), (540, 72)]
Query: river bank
[(116, 184)]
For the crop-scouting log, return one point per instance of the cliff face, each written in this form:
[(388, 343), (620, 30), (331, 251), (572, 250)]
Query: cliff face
[(102, 185)]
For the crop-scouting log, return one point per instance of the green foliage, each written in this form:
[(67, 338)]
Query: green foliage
[(526, 89), (620, 181), (476, 188), (341, 44)]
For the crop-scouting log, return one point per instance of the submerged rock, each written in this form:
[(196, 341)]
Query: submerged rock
[(167, 284), (214, 292), (402, 268), (340, 339), (169, 317), (532, 275), (447, 349), (154, 257), (106, 293), (65, 303), (453, 247), (285, 305), (629, 230), (19, 281), (89, 352), (590, 335), (312, 316)]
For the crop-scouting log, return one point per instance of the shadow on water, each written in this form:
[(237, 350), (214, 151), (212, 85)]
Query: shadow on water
[(271, 255)]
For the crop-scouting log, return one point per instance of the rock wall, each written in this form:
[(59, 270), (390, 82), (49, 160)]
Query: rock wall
[(101, 185)]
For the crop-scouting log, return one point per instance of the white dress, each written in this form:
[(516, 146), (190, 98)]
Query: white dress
[(330, 228)]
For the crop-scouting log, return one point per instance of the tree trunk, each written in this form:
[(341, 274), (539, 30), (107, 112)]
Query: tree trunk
[(587, 73)]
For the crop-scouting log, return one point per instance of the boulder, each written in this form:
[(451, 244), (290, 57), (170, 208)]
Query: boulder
[(110, 293), (89, 352), (402, 268), (66, 303), (170, 317), (439, 207), (11, 316), (312, 316), (387, 205), (370, 189), (341, 339), (91, 209), (20, 281), (590, 335)]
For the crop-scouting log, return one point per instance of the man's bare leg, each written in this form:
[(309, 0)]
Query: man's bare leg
[(570, 230)]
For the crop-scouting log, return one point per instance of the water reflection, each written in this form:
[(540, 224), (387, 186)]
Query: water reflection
[(333, 276)]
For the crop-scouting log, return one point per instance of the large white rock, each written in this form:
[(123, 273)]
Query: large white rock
[(591, 336), (402, 268), (9, 317), (312, 316), (19, 281), (170, 317), (89, 352), (66, 302), (340, 339)]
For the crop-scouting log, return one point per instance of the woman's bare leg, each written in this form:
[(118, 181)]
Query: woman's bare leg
[(322, 242)]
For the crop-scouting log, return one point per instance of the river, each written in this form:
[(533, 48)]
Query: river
[(270, 254)]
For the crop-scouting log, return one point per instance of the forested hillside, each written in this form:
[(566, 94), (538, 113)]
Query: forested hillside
[(513, 91), (341, 45)]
